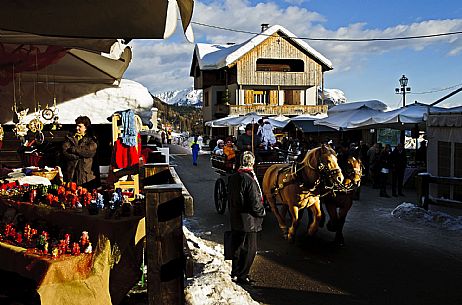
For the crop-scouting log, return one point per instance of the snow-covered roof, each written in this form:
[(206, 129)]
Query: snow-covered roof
[(217, 56)]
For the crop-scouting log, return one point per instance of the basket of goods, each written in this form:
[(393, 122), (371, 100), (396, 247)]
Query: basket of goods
[(49, 174)]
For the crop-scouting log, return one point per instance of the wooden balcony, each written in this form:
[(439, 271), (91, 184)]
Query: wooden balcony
[(276, 110)]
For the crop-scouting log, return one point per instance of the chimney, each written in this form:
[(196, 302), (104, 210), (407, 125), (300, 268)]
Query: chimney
[(264, 26)]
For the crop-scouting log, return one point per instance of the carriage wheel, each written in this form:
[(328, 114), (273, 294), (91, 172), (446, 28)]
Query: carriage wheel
[(220, 196)]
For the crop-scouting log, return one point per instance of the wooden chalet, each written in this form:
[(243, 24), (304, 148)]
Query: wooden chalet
[(273, 73)]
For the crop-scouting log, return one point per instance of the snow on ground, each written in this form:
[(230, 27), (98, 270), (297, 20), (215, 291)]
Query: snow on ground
[(212, 284), (413, 213)]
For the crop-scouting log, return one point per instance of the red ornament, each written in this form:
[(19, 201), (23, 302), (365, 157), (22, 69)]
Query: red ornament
[(75, 249), (19, 238), (84, 239)]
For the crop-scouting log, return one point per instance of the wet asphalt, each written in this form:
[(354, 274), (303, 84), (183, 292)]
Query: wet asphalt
[(386, 260)]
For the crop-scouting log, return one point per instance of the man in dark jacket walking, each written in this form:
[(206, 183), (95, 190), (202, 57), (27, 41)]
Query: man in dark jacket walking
[(246, 214)]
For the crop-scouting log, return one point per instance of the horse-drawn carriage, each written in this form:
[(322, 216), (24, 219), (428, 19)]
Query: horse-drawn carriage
[(225, 168), (298, 185)]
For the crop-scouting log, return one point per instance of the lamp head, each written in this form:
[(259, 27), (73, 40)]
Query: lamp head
[(403, 81)]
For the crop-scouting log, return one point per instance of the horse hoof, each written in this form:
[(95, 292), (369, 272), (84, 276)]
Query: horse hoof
[(330, 226), (322, 221), (339, 241)]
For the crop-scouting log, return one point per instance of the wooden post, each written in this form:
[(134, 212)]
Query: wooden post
[(423, 189), (164, 244)]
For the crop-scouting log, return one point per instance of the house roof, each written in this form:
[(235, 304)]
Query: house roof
[(217, 56)]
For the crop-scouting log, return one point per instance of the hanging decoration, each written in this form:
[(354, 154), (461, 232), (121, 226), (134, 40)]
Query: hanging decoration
[(20, 112)]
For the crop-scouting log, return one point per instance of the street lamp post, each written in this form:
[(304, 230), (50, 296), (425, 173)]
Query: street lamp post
[(404, 88), (403, 83)]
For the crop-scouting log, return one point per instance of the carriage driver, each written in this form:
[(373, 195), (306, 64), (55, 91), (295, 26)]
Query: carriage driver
[(246, 215), (244, 141)]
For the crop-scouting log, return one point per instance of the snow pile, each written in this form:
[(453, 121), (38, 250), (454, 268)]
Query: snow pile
[(101, 104), (413, 213), (212, 285), (185, 97)]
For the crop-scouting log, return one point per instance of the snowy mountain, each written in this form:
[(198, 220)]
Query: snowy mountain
[(332, 97), (185, 97)]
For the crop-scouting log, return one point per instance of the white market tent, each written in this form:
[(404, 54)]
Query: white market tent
[(401, 118), (348, 115), (62, 73), (252, 117)]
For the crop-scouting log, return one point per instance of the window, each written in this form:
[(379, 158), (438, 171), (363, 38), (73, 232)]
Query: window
[(280, 65), (260, 97), (222, 97)]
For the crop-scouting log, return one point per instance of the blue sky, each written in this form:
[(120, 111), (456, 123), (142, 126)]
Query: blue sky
[(366, 70)]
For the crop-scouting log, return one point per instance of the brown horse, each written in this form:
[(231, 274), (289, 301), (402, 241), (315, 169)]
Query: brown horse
[(298, 186), (339, 204)]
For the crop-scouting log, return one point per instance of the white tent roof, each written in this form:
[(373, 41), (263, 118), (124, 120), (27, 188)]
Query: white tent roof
[(216, 56), (371, 104), (410, 114), (347, 119), (308, 117), (252, 117)]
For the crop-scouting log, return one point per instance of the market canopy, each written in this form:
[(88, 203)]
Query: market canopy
[(250, 118), (305, 123), (143, 19), (349, 118), (96, 45), (401, 118), (371, 104), (44, 72)]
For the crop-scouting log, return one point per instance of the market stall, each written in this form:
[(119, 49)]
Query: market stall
[(26, 212)]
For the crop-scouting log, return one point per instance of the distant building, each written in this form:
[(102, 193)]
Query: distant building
[(272, 73)]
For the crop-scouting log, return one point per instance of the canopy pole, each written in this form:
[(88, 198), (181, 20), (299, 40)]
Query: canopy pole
[(253, 148)]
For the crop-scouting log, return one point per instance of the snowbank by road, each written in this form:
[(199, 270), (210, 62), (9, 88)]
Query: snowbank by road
[(411, 212), (212, 284)]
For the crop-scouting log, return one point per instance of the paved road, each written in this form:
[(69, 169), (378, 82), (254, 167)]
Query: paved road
[(385, 261)]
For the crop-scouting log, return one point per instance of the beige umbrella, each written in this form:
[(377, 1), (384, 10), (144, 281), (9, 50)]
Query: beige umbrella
[(96, 45), (96, 19), (61, 72)]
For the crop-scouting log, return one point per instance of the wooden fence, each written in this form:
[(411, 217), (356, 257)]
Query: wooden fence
[(423, 181)]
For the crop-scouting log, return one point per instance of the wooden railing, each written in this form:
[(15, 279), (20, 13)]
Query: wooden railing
[(423, 181), (276, 110)]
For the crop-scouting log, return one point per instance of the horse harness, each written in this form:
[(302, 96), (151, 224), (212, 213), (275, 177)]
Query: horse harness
[(294, 169)]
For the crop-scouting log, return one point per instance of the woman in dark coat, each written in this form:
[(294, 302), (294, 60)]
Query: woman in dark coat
[(79, 150), (246, 217), (385, 166)]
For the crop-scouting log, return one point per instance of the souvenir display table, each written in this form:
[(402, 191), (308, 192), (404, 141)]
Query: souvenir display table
[(86, 274), (84, 277)]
